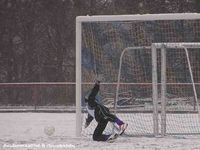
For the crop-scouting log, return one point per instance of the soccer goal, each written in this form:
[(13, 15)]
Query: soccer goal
[(149, 83), (179, 87)]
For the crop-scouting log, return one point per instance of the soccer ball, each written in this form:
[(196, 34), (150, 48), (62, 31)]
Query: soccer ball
[(49, 130)]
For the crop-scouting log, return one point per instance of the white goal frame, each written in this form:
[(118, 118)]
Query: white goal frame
[(146, 17)]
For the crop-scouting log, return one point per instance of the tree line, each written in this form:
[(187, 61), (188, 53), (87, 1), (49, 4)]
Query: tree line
[(37, 37)]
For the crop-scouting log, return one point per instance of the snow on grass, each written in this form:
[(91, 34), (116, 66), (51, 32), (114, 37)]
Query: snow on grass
[(28, 128)]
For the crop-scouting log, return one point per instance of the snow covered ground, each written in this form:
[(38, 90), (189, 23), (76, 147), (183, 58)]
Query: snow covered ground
[(25, 131)]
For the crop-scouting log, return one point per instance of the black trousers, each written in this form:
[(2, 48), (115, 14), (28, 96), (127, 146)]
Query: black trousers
[(98, 132), (102, 116)]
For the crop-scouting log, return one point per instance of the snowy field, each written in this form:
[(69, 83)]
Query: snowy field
[(25, 131)]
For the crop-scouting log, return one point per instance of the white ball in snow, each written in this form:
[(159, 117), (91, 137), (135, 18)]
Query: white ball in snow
[(49, 130)]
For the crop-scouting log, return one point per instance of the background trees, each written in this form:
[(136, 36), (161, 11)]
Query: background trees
[(37, 37)]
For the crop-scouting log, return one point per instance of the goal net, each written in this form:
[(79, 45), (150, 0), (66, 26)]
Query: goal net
[(120, 48)]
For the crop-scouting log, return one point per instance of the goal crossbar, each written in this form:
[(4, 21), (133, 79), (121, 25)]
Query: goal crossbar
[(138, 17), (177, 45)]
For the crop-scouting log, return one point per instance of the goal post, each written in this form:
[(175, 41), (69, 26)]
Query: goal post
[(78, 77), (135, 93), (155, 89)]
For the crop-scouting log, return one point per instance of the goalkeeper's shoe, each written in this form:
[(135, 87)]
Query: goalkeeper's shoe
[(122, 128), (112, 137)]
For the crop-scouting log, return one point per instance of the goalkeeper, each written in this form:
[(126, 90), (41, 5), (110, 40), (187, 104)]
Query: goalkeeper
[(102, 115)]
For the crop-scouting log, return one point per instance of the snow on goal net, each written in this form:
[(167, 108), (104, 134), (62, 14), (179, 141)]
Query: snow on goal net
[(100, 41)]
